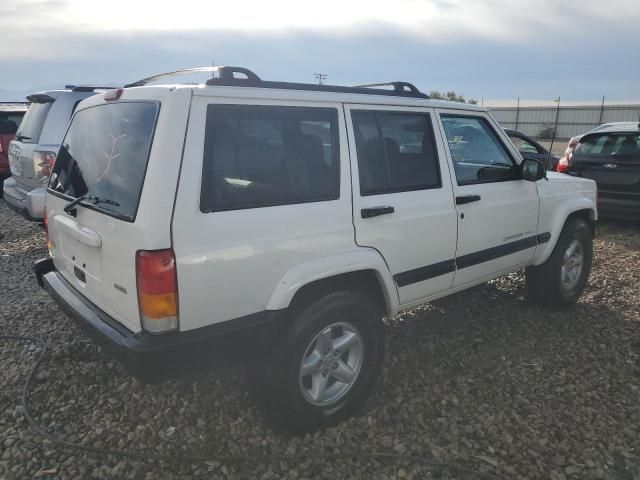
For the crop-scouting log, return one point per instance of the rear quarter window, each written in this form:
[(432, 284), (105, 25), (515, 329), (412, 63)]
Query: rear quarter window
[(260, 156)]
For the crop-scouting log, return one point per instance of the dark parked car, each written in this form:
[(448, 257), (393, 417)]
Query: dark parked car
[(529, 148), (10, 117), (611, 157)]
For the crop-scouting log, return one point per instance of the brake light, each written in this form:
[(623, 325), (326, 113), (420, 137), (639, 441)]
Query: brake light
[(563, 165), (43, 163), (157, 290)]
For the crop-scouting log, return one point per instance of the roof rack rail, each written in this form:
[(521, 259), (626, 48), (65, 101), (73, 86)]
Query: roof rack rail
[(397, 87), (225, 73), (85, 88), (227, 76)]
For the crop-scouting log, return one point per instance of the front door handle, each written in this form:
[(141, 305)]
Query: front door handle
[(467, 199), (376, 211)]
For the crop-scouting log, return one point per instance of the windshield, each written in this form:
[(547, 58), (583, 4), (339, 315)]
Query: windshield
[(105, 154), (33, 122)]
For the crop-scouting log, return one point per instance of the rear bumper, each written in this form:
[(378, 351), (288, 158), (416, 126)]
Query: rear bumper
[(29, 204), (624, 208), (140, 351)]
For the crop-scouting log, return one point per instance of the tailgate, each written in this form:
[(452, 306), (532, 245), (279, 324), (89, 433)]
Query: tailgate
[(106, 158), (21, 164)]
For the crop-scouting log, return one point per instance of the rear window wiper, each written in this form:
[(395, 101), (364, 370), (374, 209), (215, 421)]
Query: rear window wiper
[(70, 207)]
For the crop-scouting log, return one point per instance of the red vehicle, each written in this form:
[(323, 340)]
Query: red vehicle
[(10, 117)]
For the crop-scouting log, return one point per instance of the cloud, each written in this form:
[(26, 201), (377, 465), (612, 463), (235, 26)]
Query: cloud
[(489, 48)]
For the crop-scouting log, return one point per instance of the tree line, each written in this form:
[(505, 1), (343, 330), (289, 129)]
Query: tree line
[(451, 95)]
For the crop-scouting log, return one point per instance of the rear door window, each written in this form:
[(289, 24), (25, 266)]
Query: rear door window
[(33, 121), (105, 155), (260, 156), (396, 152)]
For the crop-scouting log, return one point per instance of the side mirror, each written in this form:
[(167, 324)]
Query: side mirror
[(532, 170)]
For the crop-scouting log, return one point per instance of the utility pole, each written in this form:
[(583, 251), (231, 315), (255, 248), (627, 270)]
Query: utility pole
[(601, 111), (321, 77), (517, 113), (555, 129)]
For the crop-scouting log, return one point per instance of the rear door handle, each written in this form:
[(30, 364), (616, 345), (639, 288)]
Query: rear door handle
[(376, 211), (467, 199)]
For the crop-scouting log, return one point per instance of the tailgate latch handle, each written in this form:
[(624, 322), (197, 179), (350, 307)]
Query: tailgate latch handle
[(376, 211)]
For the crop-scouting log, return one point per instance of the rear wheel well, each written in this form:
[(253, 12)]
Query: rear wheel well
[(588, 216), (362, 281)]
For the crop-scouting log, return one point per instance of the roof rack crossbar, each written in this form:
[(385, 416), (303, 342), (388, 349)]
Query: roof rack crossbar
[(397, 86), (225, 73)]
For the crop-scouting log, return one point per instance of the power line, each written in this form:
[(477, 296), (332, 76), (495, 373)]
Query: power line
[(321, 77)]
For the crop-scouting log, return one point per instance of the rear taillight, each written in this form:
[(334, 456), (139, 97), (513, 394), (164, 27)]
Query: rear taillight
[(43, 164), (157, 290), (563, 164)]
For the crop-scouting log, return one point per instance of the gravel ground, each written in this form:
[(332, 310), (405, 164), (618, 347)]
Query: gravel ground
[(480, 379)]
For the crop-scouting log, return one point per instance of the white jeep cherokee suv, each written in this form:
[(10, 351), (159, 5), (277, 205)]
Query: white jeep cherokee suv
[(180, 213), (33, 152)]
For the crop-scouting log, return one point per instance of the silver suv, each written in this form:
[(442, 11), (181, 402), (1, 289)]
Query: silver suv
[(34, 150)]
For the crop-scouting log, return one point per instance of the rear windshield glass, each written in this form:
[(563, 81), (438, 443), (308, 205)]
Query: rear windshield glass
[(608, 144), (33, 122), (105, 154), (9, 122)]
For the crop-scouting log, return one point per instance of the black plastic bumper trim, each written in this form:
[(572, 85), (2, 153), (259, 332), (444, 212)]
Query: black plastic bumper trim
[(22, 211), (127, 344)]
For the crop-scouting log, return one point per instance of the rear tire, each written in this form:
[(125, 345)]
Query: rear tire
[(325, 364), (560, 281)]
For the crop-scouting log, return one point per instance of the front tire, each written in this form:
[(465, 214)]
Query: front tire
[(325, 364), (560, 281)]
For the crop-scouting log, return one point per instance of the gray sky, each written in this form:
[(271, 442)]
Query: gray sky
[(491, 49)]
